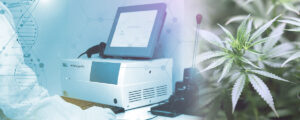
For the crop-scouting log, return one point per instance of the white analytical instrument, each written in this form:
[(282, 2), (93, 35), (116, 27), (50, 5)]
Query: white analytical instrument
[(121, 83)]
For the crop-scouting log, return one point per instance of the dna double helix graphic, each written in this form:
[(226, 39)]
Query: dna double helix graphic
[(27, 30), (26, 26)]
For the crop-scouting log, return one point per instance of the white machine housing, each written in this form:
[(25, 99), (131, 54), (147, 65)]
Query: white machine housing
[(122, 83)]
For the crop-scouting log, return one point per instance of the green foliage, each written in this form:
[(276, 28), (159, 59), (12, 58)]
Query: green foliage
[(294, 22), (245, 59), (234, 54), (262, 10)]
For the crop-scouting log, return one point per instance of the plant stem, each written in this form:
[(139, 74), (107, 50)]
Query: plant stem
[(252, 102)]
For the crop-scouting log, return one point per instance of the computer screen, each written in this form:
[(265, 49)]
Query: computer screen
[(136, 30), (132, 31)]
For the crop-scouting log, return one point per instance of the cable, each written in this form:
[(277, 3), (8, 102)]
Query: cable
[(152, 118)]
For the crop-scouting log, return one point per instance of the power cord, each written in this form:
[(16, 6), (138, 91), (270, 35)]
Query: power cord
[(152, 118)]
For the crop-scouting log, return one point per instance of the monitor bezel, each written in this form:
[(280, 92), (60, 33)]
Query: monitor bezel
[(138, 52)]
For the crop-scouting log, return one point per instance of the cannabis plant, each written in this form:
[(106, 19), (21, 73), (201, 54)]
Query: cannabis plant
[(263, 10), (257, 8), (295, 22), (272, 53), (234, 56)]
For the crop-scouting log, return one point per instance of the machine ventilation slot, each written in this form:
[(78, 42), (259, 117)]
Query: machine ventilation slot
[(161, 90), (135, 96), (148, 93)]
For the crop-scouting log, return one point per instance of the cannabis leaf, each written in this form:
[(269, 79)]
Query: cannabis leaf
[(270, 50), (249, 62), (262, 29), (273, 64), (293, 57), (257, 8), (262, 89), (289, 5), (236, 19), (237, 90), (274, 37), (215, 64), (280, 50), (292, 21), (226, 69), (269, 75), (208, 55), (237, 53), (262, 9), (211, 38)]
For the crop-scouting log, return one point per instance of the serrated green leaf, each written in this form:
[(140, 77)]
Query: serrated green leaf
[(255, 51), (284, 54), (211, 38), (227, 44), (258, 47), (237, 91), (208, 55), (262, 29), (293, 18), (272, 64), (269, 75), (258, 42), (274, 37), (234, 76), (226, 69), (249, 26), (293, 57), (215, 64), (249, 62), (242, 29), (236, 19), (290, 22), (228, 33), (280, 50), (262, 89)]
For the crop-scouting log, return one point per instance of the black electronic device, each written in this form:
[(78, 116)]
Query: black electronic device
[(94, 50), (185, 98), (102, 48)]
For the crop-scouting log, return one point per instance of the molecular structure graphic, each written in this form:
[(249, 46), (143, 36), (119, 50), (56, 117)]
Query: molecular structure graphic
[(27, 31)]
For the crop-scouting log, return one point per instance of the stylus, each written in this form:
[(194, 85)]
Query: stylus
[(199, 20)]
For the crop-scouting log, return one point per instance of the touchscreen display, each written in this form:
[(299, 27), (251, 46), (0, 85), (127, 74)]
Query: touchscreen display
[(134, 29)]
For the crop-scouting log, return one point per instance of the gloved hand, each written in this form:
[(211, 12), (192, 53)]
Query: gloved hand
[(96, 112), (21, 98), (55, 108)]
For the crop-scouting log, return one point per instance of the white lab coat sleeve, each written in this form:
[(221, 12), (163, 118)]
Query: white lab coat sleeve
[(21, 97)]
